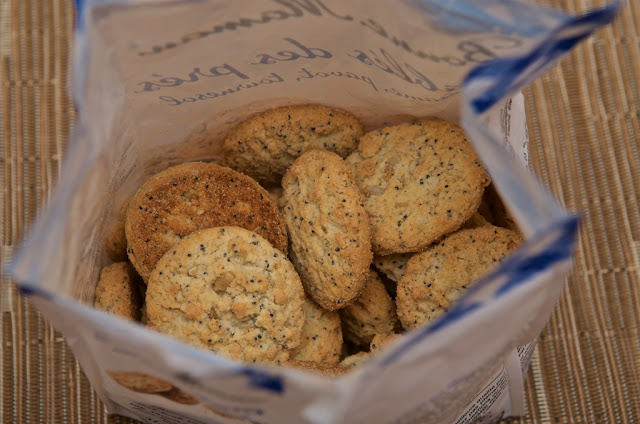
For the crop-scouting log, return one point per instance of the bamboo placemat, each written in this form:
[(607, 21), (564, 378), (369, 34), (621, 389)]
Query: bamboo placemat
[(584, 125)]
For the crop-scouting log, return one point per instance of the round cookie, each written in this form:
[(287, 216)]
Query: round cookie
[(373, 312), (328, 228), (265, 145), (228, 290), (420, 181), (193, 196), (437, 277), (117, 291), (321, 335), (139, 382), (393, 266), (115, 241)]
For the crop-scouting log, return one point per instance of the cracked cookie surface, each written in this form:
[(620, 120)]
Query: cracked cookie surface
[(265, 145), (373, 312), (228, 290), (328, 227), (420, 181), (436, 278)]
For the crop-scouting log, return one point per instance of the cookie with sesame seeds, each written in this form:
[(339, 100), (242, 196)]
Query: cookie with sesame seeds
[(373, 312), (321, 335), (328, 228), (230, 291), (193, 196), (117, 291), (437, 277), (265, 145), (420, 181)]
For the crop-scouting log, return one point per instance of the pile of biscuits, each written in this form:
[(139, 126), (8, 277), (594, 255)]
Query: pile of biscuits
[(311, 244)]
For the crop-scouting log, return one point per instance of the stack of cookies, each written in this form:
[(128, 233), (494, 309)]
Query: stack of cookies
[(311, 244)]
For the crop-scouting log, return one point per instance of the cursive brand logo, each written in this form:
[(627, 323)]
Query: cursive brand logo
[(404, 71), (193, 76), (471, 51), (290, 9)]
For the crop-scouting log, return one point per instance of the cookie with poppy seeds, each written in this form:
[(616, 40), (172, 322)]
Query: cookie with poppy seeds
[(321, 335), (437, 277), (373, 312), (191, 197), (117, 291), (420, 181), (328, 227), (230, 291), (265, 145)]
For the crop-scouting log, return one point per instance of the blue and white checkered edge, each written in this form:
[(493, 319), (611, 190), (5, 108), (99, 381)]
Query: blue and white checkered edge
[(550, 231)]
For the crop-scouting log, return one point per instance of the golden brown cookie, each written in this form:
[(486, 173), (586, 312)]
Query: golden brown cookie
[(476, 220), (321, 335), (420, 181), (381, 340), (373, 312), (115, 241), (265, 145), (331, 370), (437, 277), (328, 228), (178, 396), (193, 196), (117, 291), (228, 290), (139, 382), (393, 266)]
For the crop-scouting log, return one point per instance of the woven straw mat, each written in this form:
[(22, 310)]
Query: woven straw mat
[(584, 125)]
